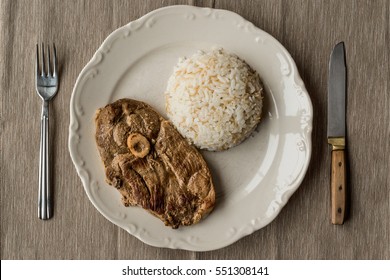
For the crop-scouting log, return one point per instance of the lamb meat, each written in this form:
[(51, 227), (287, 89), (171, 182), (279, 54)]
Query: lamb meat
[(152, 165)]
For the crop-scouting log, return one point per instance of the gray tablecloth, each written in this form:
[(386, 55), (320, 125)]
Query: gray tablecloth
[(308, 29)]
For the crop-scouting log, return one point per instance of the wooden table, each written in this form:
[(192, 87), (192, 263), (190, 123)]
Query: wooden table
[(308, 29)]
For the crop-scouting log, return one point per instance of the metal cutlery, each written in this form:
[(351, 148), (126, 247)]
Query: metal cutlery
[(337, 85), (46, 87)]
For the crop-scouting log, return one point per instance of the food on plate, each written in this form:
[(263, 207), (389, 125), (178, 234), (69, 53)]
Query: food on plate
[(214, 99), (152, 165)]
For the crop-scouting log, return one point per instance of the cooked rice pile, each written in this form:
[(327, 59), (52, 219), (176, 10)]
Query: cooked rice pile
[(214, 99)]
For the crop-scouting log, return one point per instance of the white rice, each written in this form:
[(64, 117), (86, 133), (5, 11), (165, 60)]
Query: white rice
[(214, 99)]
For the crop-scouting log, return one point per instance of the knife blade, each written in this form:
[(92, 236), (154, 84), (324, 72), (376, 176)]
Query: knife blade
[(336, 132)]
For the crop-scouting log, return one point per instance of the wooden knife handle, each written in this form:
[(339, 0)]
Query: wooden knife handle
[(338, 185)]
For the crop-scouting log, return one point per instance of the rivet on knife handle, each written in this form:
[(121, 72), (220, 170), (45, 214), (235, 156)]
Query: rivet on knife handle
[(338, 182)]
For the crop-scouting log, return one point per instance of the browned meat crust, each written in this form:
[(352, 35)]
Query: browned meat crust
[(152, 165)]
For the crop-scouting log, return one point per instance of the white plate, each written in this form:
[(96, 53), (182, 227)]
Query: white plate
[(253, 180)]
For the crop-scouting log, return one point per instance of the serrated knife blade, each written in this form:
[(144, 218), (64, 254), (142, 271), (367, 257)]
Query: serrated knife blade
[(337, 87)]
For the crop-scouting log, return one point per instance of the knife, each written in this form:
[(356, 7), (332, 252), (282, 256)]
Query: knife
[(336, 132)]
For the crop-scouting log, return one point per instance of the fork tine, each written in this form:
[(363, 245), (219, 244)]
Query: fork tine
[(43, 61), (48, 60), (54, 60)]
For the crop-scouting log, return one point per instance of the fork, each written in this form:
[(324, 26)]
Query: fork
[(46, 87)]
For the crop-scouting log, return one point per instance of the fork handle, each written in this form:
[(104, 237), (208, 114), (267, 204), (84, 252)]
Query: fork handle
[(44, 195)]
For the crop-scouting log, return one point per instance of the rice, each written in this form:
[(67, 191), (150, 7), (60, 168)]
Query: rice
[(214, 99)]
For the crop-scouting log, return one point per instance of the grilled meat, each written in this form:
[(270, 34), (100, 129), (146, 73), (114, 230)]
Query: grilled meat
[(152, 165)]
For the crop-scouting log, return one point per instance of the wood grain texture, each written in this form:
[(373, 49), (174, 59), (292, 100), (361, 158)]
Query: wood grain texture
[(338, 182), (308, 30)]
